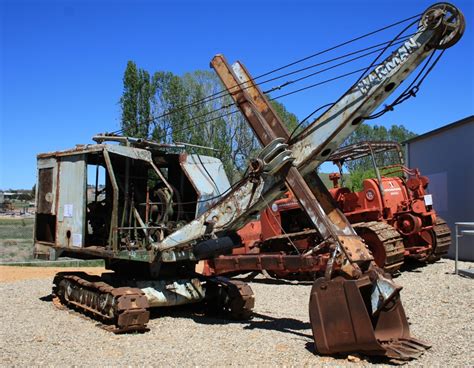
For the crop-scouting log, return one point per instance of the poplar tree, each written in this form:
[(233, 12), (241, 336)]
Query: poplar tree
[(129, 100), (169, 108)]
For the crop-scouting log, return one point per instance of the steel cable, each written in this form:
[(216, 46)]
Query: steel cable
[(219, 93), (412, 89), (204, 99), (271, 99), (283, 95), (292, 73)]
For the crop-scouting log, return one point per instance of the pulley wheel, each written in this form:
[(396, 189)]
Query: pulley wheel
[(448, 19)]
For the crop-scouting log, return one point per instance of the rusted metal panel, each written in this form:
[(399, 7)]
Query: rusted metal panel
[(45, 190), (43, 163), (71, 201), (47, 175), (270, 262), (46, 200), (131, 152), (127, 151), (80, 148), (260, 101), (115, 190), (208, 177)]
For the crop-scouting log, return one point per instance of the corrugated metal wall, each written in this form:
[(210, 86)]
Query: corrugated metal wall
[(447, 158)]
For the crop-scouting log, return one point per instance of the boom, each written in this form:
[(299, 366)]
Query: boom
[(287, 161)]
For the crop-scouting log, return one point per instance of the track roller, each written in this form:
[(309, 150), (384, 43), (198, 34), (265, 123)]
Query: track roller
[(124, 308), (231, 298), (384, 242), (442, 239)]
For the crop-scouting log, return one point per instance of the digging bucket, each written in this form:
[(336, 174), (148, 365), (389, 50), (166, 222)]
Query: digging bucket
[(351, 316)]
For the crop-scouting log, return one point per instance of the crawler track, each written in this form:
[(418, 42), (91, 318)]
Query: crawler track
[(241, 300), (385, 243), (233, 298), (443, 239), (123, 308)]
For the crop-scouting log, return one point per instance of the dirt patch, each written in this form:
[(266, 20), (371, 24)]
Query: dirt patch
[(15, 273)]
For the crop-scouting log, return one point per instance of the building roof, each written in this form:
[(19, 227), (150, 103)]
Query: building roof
[(468, 119)]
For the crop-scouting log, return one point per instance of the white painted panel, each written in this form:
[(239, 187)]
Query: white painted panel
[(72, 201), (208, 178)]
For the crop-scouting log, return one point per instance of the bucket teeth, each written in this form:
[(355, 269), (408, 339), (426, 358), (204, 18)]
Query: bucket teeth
[(405, 349), (417, 342)]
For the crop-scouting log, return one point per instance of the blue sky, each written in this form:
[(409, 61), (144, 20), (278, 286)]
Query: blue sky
[(61, 62)]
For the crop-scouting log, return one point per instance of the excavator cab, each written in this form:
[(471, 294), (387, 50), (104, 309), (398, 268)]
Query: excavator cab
[(115, 200)]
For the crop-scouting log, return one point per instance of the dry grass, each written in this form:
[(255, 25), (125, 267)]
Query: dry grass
[(16, 239)]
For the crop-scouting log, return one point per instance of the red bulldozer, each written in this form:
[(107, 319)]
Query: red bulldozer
[(393, 213)]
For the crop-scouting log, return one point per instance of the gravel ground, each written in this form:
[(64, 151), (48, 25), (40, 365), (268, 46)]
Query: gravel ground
[(439, 304)]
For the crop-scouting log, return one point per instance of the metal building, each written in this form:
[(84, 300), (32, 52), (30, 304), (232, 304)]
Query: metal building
[(446, 156)]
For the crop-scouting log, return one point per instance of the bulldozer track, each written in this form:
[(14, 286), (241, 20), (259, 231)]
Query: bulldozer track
[(124, 309), (387, 236), (443, 239)]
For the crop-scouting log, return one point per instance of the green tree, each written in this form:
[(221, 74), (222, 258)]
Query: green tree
[(183, 112), (145, 95), (400, 134), (169, 98), (288, 118), (135, 102), (227, 133), (129, 99)]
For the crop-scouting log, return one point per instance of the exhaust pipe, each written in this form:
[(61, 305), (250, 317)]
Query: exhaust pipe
[(213, 247)]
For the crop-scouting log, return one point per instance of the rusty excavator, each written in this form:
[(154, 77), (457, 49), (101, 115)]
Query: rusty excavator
[(161, 210)]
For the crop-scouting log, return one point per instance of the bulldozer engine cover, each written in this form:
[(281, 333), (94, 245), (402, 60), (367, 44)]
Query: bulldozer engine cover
[(342, 321)]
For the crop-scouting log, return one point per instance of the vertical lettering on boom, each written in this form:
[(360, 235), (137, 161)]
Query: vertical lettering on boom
[(382, 71)]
